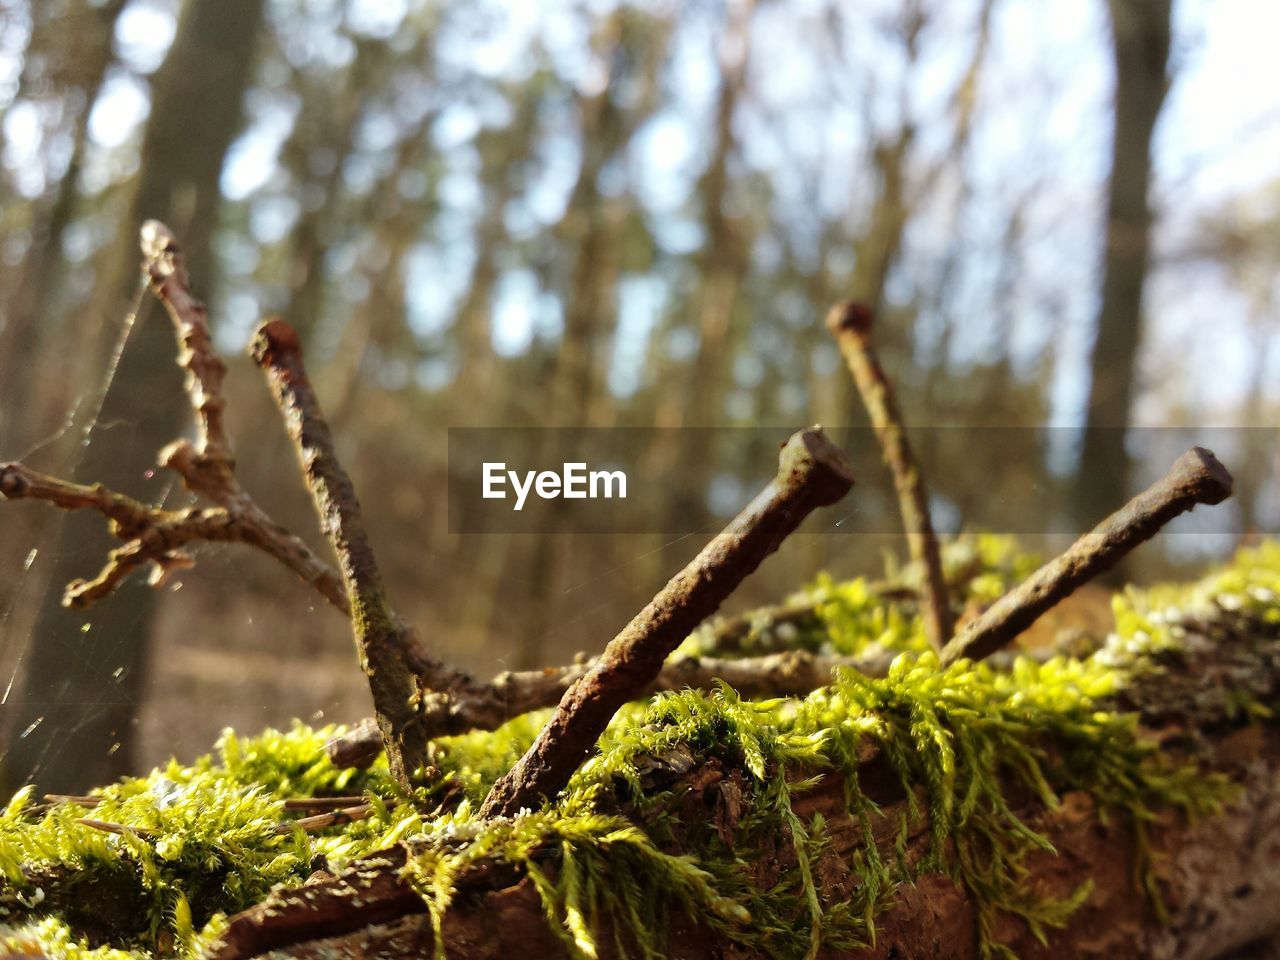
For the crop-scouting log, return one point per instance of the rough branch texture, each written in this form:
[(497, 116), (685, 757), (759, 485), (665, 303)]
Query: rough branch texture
[(1219, 878), (1196, 477), (157, 536), (850, 323), (207, 465), (381, 639), (811, 473)]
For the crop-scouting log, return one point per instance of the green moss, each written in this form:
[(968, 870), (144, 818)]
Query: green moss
[(849, 616), (203, 839)]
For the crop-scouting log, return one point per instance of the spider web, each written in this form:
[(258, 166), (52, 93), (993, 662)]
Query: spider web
[(83, 419)]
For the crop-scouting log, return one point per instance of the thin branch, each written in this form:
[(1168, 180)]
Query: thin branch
[(1196, 477), (152, 535), (332, 818), (399, 671), (787, 673), (323, 803), (850, 323), (119, 829), (812, 473), (207, 465)]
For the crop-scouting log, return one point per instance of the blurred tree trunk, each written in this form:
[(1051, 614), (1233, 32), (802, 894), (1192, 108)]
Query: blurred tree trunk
[(75, 61), (1140, 32), (629, 44), (721, 267), (326, 124), (1259, 436), (877, 247), (82, 59), (85, 673), (503, 154), (382, 323), (575, 387), (504, 173)]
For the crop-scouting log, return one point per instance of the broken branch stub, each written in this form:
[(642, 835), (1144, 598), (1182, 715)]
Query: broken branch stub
[(850, 323), (812, 473), (1196, 477)]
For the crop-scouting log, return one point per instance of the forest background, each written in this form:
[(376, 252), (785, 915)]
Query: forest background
[(1066, 216)]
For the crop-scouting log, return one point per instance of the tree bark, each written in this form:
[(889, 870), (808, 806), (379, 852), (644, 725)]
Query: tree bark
[(1219, 877)]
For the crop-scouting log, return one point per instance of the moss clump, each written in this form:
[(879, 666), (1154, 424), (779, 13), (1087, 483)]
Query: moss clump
[(200, 841), (204, 840), (848, 617)]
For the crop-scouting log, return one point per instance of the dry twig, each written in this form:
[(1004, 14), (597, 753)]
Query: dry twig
[(154, 535), (119, 829), (333, 818), (1196, 477), (400, 672), (787, 673), (812, 473), (323, 803), (850, 323)]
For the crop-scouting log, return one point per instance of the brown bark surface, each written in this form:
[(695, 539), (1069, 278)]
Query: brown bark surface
[(1219, 877)]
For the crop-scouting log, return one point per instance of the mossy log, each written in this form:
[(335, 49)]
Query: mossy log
[(1218, 878)]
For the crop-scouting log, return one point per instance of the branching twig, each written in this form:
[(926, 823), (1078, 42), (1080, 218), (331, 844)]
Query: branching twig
[(850, 323), (158, 536), (207, 465), (812, 473), (1196, 477), (150, 534)]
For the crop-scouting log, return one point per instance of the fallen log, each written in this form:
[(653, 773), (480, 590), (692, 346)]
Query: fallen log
[(1216, 878)]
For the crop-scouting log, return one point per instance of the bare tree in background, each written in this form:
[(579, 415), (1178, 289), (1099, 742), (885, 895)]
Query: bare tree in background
[(79, 702), (1140, 33)]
